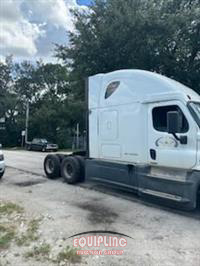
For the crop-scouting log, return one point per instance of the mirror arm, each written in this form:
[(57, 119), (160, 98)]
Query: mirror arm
[(176, 137), (183, 140)]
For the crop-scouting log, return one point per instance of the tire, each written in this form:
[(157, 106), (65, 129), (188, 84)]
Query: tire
[(71, 170), (82, 167), (52, 166), (1, 175)]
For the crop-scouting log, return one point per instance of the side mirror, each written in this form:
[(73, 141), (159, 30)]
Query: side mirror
[(174, 122), (174, 125)]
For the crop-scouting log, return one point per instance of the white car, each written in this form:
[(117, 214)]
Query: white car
[(2, 163)]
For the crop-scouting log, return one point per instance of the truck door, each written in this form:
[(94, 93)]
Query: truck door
[(163, 149)]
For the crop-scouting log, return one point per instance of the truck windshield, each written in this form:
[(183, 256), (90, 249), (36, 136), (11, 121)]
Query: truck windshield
[(194, 108)]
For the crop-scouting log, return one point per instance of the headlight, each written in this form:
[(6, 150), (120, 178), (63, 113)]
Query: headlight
[(1, 157)]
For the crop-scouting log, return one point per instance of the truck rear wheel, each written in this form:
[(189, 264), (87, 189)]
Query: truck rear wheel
[(52, 166), (71, 170)]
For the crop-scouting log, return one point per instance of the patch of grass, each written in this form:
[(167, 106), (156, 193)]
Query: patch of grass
[(26, 239), (30, 235), (7, 234), (68, 255), (39, 252), (33, 225), (9, 208), (5, 263)]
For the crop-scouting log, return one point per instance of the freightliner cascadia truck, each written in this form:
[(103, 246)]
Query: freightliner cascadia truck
[(143, 134)]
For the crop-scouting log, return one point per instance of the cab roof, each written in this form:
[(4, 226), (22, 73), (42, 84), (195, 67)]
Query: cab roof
[(136, 86)]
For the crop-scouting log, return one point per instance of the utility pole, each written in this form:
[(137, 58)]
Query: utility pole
[(27, 121)]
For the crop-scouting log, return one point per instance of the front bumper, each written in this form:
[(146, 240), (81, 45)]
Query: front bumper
[(2, 166), (53, 148)]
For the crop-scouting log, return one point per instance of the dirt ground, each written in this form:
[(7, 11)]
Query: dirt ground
[(38, 215)]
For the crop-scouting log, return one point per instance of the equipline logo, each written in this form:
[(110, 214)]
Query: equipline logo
[(99, 241)]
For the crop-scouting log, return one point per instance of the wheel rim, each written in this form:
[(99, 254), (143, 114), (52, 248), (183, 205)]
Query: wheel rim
[(49, 166), (68, 170)]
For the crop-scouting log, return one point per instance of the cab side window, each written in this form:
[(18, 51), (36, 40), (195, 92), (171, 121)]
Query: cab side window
[(112, 87), (160, 118)]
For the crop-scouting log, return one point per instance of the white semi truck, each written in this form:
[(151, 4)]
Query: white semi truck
[(143, 134)]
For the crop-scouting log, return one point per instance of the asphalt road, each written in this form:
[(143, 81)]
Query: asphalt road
[(25, 160), (161, 236), (30, 161)]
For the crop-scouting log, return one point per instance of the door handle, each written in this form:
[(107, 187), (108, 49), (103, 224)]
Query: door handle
[(153, 154)]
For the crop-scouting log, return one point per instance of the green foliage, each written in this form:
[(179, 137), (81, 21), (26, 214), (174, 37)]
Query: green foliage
[(30, 235), (39, 253), (9, 208), (54, 110), (69, 255), (7, 234), (155, 35)]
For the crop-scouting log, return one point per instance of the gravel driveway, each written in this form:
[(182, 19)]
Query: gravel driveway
[(161, 236)]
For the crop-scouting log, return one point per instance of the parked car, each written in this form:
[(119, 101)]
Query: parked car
[(41, 145), (2, 163)]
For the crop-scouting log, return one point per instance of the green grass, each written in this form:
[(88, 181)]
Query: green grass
[(39, 252), (9, 208), (4, 263), (7, 234), (68, 255), (33, 225), (7, 231), (30, 235)]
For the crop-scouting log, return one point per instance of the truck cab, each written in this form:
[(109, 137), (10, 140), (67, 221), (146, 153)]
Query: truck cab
[(144, 134)]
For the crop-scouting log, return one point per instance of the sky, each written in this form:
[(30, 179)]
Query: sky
[(29, 28)]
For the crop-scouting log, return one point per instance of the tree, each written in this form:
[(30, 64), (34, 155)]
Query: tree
[(5, 84), (52, 112), (55, 113), (26, 76), (155, 35), (8, 103)]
